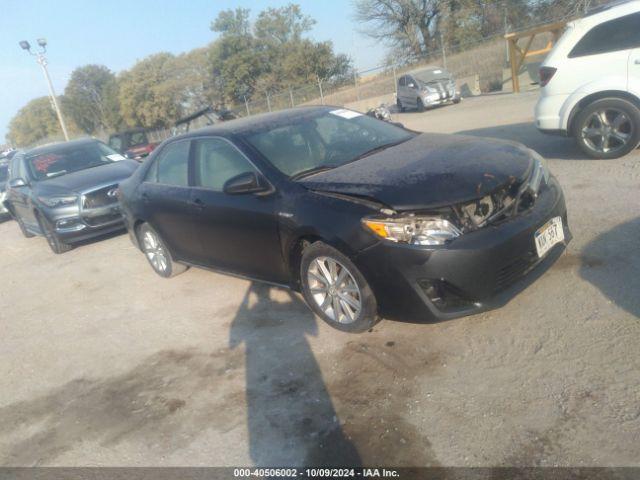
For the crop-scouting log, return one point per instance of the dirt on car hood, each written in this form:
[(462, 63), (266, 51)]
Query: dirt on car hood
[(428, 171)]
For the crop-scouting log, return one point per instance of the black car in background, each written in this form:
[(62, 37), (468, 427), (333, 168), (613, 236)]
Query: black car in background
[(67, 191), (364, 217)]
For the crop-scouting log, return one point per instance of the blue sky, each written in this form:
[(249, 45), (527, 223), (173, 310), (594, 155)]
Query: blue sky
[(116, 33)]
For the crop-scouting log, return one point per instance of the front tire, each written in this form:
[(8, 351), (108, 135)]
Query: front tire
[(20, 223), (157, 253), (608, 128), (399, 104), (335, 290), (55, 243), (419, 105)]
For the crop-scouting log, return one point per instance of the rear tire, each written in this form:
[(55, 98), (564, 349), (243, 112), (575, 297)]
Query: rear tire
[(57, 246), (332, 283), (157, 253), (607, 128)]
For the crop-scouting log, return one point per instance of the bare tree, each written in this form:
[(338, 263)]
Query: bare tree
[(406, 25)]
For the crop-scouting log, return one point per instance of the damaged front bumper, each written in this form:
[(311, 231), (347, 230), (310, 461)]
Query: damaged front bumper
[(477, 271)]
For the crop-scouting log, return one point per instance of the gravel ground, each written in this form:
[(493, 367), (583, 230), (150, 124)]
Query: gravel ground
[(104, 363)]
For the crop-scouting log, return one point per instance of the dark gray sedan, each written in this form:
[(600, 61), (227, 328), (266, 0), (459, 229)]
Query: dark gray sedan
[(67, 191)]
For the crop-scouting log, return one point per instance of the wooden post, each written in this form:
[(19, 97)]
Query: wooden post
[(515, 81)]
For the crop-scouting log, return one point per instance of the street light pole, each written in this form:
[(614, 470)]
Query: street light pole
[(42, 61)]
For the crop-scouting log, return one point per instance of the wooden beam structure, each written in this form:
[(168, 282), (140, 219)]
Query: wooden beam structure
[(517, 54)]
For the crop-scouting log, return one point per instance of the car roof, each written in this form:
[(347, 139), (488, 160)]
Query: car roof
[(259, 121), (59, 146), (608, 11)]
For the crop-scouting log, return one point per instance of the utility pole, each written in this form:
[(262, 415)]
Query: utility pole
[(42, 61)]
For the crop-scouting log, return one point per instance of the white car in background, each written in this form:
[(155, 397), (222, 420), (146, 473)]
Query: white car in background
[(591, 82)]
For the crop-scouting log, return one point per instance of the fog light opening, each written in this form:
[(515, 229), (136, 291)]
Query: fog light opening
[(444, 296)]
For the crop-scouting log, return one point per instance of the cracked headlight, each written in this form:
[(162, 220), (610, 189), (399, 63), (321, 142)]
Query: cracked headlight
[(540, 173), (59, 200), (413, 229)]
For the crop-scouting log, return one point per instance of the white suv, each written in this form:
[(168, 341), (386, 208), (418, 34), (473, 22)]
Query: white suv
[(591, 82)]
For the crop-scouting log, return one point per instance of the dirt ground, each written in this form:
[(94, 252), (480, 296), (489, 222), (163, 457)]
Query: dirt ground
[(104, 363)]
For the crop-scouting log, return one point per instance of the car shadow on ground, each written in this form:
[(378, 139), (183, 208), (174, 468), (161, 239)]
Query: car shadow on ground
[(266, 384), (550, 146), (611, 262), (290, 415)]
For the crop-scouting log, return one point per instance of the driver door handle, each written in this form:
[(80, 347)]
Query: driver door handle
[(198, 204)]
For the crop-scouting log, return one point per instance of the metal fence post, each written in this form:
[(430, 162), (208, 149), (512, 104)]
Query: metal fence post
[(268, 102), (355, 82), (246, 104), (444, 53), (291, 97), (320, 88), (395, 81)]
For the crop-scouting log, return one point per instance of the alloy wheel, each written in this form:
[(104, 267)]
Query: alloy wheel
[(607, 130), (334, 290), (154, 251)]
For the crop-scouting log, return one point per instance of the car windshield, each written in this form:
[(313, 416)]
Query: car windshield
[(323, 140), (69, 159), (426, 76)]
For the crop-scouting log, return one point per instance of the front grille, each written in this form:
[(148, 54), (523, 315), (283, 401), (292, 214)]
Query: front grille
[(100, 198), (515, 270)]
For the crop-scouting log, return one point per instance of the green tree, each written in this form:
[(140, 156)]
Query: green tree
[(282, 25), (92, 98), (232, 22), (37, 121), (149, 93)]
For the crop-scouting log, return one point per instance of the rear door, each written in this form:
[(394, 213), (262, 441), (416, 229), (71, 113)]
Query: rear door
[(238, 233), (166, 195), (634, 70)]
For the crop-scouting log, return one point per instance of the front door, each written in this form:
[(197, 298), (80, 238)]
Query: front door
[(238, 233)]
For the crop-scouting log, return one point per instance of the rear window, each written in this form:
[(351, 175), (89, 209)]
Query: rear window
[(619, 34)]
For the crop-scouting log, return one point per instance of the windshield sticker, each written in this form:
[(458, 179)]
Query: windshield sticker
[(116, 157), (344, 113)]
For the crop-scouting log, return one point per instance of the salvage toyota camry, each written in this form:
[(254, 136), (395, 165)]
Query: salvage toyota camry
[(364, 217)]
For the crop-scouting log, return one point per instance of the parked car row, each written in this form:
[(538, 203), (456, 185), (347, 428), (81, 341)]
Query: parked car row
[(363, 217)]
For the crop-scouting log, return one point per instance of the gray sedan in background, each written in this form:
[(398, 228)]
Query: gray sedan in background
[(427, 87)]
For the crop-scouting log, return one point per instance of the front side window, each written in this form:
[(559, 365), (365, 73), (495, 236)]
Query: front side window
[(65, 159), (138, 138), (324, 139), (403, 81), (172, 165), (619, 34), (216, 162)]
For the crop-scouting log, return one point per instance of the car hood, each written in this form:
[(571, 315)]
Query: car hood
[(430, 170), (83, 180)]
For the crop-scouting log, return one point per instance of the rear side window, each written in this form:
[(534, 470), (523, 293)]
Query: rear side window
[(216, 162), (403, 81), (619, 34), (172, 165)]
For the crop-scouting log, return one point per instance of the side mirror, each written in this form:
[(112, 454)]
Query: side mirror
[(17, 183), (244, 183)]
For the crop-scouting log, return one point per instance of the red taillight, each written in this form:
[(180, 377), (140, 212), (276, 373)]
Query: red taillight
[(546, 74)]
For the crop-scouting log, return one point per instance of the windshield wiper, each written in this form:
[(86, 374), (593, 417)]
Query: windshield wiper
[(379, 148), (312, 171)]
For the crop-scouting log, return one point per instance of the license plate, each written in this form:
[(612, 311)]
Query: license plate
[(549, 235)]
